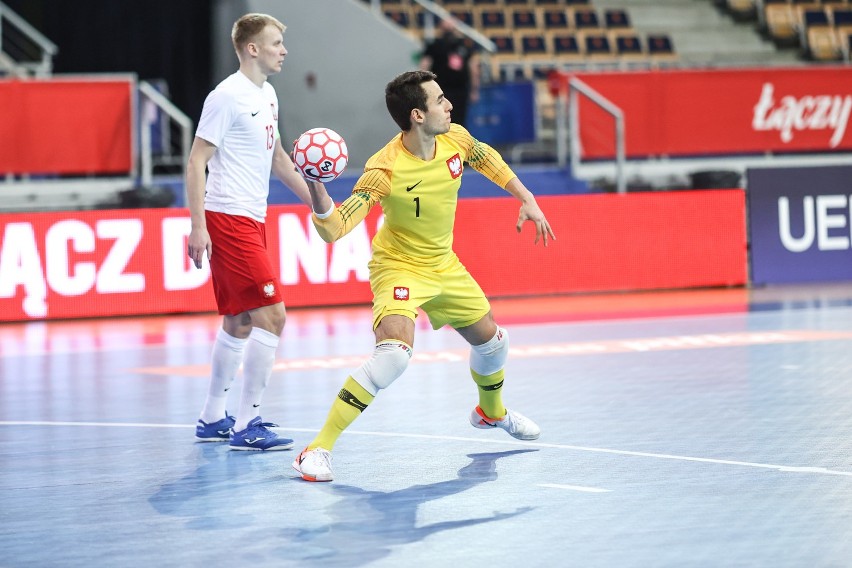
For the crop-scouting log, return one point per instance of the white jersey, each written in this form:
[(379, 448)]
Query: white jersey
[(241, 120)]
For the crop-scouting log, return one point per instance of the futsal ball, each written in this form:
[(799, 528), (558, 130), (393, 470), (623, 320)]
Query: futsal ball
[(320, 154)]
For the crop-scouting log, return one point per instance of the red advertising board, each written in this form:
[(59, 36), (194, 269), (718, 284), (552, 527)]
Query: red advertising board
[(131, 262), (63, 126), (713, 112)]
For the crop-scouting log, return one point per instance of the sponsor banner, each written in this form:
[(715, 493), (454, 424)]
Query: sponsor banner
[(60, 126), (706, 112), (612, 242), (133, 262), (799, 222)]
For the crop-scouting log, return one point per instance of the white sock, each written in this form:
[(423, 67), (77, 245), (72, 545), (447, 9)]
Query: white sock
[(225, 362), (257, 367)]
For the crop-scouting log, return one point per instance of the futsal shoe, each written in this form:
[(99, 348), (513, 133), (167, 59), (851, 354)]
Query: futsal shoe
[(219, 431), (258, 437), (314, 465), (516, 424)]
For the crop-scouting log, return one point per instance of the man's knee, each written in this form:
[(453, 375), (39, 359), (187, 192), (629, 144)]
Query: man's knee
[(271, 318), (390, 359), (490, 357)]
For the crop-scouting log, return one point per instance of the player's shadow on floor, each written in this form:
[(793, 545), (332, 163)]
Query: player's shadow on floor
[(208, 496), (365, 525)]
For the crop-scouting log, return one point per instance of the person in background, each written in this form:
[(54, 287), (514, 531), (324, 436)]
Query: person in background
[(416, 178), (238, 141), (454, 59)]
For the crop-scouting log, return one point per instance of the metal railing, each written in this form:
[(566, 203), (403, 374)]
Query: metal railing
[(571, 124), (441, 13), (24, 50), (150, 102)]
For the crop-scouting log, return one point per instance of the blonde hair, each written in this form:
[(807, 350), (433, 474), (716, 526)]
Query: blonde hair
[(249, 27)]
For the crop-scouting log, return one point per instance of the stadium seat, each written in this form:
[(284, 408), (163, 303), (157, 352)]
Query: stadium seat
[(810, 18), (399, 16), (492, 20), (555, 19), (845, 41), (842, 19), (463, 15), (566, 47), (597, 46), (823, 44), (533, 45), (660, 47), (616, 18), (504, 44), (524, 19), (505, 62), (420, 21), (780, 23), (586, 18), (742, 10), (628, 46)]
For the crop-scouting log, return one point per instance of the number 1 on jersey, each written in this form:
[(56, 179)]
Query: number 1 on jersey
[(417, 207)]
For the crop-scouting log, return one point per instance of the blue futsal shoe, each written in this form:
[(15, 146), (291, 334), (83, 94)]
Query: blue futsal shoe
[(258, 436), (219, 431)]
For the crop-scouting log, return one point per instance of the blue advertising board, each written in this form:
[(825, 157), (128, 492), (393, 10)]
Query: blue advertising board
[(800, 224), (504, 114)]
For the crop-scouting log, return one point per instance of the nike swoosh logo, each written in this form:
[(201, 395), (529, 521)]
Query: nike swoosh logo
[(254, 440), (255, 405), (410, 187), (255, 113)]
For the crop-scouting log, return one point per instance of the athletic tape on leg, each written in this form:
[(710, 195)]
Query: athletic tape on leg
[(389, 360), (488, 358)]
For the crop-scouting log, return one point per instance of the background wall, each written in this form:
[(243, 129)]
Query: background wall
[(340, 59), (155, 39), (340, 56)]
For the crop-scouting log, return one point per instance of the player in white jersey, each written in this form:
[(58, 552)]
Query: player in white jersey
[(238, 142)]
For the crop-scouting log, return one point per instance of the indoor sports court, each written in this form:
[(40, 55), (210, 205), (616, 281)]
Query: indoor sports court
[(685, 428), (685, 345)]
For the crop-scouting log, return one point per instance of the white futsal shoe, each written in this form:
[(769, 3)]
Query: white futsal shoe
[(516, 424), (314, 465)]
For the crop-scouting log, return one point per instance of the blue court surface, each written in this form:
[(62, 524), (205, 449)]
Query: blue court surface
[(706, 428)]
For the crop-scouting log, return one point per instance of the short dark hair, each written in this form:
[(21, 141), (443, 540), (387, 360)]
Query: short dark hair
[(404, 94)]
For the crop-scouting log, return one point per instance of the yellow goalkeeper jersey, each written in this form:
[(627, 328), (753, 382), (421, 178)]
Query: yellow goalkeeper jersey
[(418, 197)]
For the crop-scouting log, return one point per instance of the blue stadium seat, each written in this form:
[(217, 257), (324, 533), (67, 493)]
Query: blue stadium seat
[(565, 46), (492, 19), (534, 45), (463, 15), (555, 19), (616, 18), (585, 18), (597, 45), (524, 19)]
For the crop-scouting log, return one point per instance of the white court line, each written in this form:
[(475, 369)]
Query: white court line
[(782, 468), (575, 488)]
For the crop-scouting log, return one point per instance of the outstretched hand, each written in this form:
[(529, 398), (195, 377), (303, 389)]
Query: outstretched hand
[(531, 212)]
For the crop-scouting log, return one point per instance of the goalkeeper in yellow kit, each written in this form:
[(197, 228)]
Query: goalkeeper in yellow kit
[(416, 179)]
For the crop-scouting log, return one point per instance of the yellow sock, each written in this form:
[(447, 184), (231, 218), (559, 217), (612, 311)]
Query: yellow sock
[(350, 402), (490, 393)]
